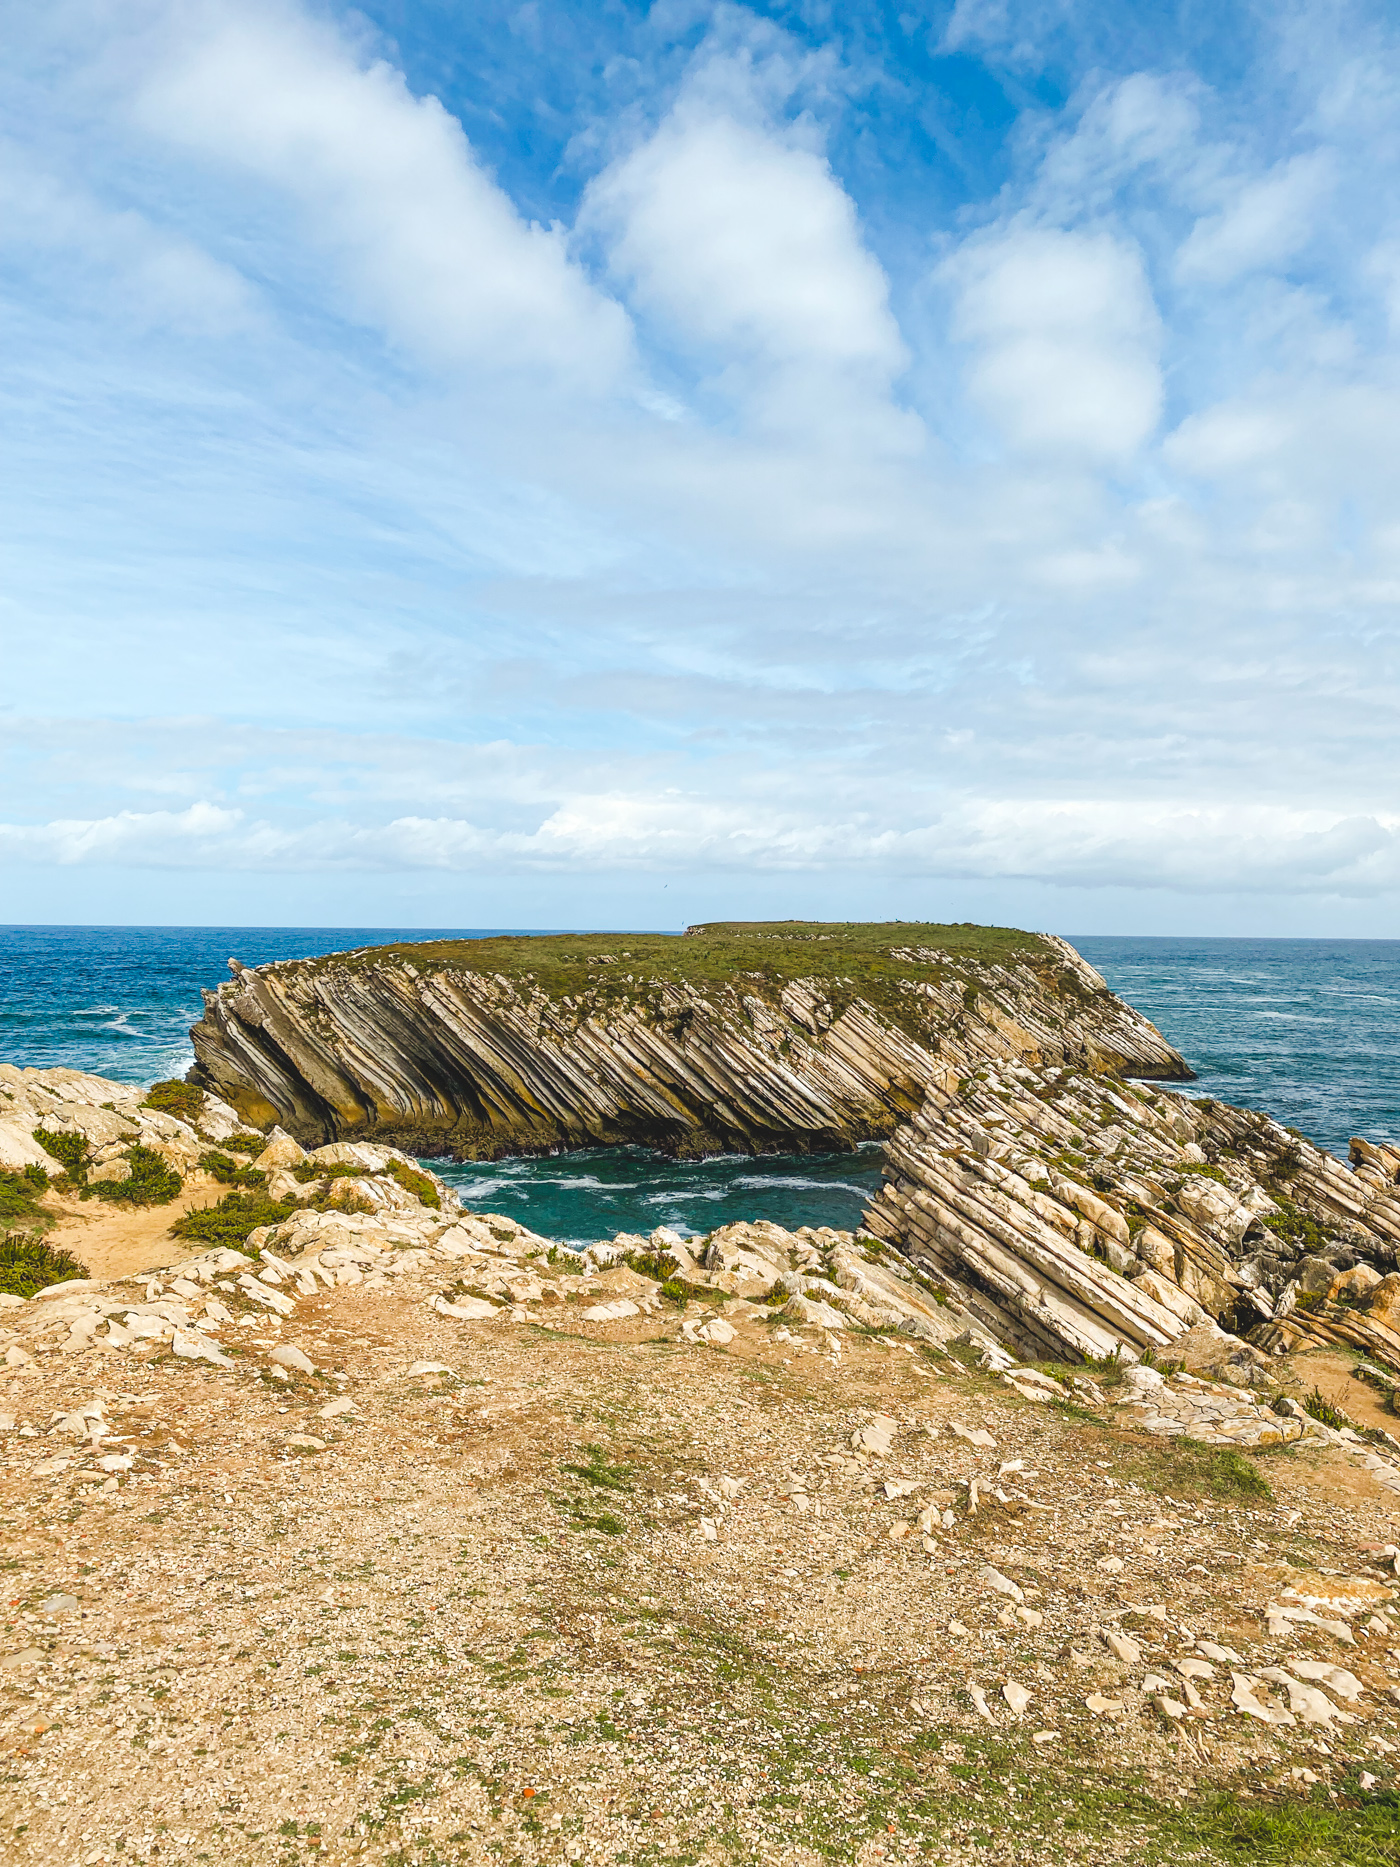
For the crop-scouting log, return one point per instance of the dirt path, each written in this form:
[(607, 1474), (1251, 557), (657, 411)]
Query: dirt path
[(114, 1240), (603, 1595)]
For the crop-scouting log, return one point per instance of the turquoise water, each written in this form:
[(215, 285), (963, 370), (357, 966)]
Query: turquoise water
[(1307, 1029)]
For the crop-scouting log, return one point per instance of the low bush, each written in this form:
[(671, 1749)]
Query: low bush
[(70, 1149), (150, 1182), (28, 1265), (173, 1097), (19, 1198), (228, 1172), (1317, 1404), (416, 1183), (308, 1170), (230, 1222)]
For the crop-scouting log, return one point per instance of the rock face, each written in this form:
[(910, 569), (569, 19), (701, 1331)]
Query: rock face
[(790, 1038), (1076, 1215), (111, 1117)]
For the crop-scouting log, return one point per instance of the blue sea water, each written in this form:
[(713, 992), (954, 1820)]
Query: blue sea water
[(1307, 1029)]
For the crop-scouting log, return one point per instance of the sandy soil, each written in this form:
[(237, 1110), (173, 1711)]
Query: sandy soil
[(599, 1594), (115, 1241)]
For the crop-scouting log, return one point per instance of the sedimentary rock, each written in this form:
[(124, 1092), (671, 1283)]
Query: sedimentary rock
[(760, 1038), (112, 1118), (1084, 1216)]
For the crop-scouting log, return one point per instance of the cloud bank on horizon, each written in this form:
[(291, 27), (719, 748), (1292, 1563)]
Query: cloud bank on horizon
[(604, 464)]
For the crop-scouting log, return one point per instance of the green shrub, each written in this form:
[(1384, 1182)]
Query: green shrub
[(307, 1170), (173, 1097), (1322, 1409), (28, 1265), (71, 1149), (150, 1183), (1297, 1228), (230, 1222), (19, 1198), (246, 1141), (228, 1172), (416, 1183)]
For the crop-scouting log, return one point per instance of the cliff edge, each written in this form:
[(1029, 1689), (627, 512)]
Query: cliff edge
[(788, 1036)]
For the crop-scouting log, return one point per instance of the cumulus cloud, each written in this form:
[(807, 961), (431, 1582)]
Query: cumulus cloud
[(1066, 336), (391, 191), (735, 236), (825, 523)]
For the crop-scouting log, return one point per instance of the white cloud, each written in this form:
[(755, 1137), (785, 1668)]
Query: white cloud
[(735, 236), (1262, 224), (1066, 337), (157, 276), (431, 248), (1068, 843)]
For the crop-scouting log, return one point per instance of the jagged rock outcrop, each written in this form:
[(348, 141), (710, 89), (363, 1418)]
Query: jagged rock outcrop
[(1075, 1215), (111, 1117), (805, 1040)]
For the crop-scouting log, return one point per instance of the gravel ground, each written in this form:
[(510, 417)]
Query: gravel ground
[(600, 1593)]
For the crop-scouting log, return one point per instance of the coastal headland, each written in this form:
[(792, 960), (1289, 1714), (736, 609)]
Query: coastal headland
[(1052, 1515)]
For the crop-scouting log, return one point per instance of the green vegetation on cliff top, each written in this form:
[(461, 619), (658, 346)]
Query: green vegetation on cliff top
[(717, 954), (873, 960)]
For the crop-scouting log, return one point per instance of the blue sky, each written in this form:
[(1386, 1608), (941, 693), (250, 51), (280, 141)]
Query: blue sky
[(558, 465)]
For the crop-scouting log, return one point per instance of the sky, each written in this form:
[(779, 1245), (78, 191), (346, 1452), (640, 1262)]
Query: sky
[(575, 465)]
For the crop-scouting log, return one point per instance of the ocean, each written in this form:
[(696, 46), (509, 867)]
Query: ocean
[(1307, 1029)]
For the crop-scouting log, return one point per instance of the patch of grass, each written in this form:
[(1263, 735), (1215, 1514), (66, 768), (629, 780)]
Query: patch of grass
[(151, 1182), (1184, 1465), (412, 1181), (19, 1200), (1295, 1227), (599, 1473), (28, 1265), (230, 1222), (180, 1099)]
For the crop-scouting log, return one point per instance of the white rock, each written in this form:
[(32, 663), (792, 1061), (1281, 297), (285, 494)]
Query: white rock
[(428, 1367), (199, 1348), (466, 1309), (337, 1408), (1016, 1696), (1336, 1678), (1242, 1697), (1121, 1646), (1003, 1584), (287, 1355)]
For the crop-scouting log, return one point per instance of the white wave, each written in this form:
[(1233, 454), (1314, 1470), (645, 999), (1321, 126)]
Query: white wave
[(759, 1181)]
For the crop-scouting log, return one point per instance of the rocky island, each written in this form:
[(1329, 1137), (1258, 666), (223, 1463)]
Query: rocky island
[(782, 1037)]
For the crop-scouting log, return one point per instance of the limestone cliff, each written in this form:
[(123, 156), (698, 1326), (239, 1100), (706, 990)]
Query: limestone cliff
[(790, 1036), (1072, 1214)]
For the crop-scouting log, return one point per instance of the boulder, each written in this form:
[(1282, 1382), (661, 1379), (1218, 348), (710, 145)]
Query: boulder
[(281, 1151)]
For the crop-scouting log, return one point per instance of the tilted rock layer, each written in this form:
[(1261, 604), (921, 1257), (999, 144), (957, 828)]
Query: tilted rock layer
[(1077, 1215), (785, 1037)]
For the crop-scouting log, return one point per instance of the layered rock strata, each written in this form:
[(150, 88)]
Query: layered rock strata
[(1081, 1216), (431, 1049)]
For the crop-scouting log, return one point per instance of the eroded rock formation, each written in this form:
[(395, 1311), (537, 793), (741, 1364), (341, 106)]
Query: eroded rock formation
[(1074, 1214), (442, 1049)]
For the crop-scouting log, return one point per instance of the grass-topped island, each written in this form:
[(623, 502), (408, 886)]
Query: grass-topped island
[(757, 1036)]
